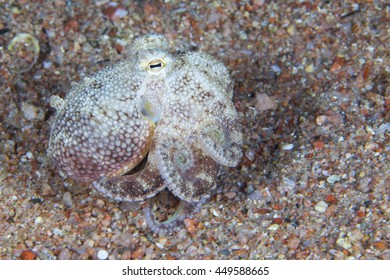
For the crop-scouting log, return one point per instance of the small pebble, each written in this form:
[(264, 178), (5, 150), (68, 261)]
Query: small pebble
[(255, 195), (115, 12), (331, 199), (321, 120), (291, 30), (250, 154), (9, 146), (163, 241), (29, 155), (67, 199), (102, 254), (230, 195), (89, 243), (344, 242), (337, 254), (57, 231), (38, 220), (264, 102), (321, 206), (336, 119), (333, 179), (309, 68), (287, 147), (293, 244), (31, 112), (215, 213), (47, 64), (28, 255), (276, 69), (318, 145), (138, 253), (370, 130), (65, 254), (225, 252), (46, 190), (383, 128), (273, 227)]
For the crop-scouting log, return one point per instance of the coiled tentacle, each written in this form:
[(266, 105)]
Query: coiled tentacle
[(188, 172), (184, 210)]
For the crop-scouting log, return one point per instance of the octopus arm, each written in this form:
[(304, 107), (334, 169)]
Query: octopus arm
[(219, 132), (185, 210), (135, 187), (222, 140), (188, 172)]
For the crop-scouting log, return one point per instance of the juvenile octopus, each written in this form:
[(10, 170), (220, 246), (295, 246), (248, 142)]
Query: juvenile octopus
[(172, 110)]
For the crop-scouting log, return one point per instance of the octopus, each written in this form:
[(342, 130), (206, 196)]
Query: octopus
[(155, 120)]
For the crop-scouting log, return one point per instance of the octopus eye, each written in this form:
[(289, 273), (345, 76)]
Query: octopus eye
[(156, 65)]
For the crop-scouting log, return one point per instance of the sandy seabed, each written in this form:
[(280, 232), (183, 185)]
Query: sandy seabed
[(312, 91)]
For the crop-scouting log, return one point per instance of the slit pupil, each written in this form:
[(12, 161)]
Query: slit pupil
[(156, 65)]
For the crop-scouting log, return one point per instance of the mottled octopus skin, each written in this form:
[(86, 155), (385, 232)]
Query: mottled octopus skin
[(174, 108)]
